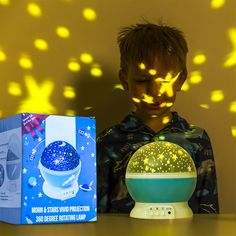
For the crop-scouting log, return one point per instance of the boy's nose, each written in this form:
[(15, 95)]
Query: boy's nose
[(154, 88)]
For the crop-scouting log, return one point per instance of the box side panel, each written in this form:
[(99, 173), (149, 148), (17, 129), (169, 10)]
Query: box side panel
[(59, 173), (10, 169)]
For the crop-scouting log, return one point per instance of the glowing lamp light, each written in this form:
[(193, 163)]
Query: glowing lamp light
[(161, 177), (89, 14), (34, 10)]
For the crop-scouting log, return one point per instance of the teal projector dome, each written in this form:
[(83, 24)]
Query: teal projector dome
[(161, 177)]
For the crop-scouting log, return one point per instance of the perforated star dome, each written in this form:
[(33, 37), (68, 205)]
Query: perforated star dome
[(161, 157)]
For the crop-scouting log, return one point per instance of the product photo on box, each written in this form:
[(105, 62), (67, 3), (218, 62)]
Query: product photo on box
[(47, 169)]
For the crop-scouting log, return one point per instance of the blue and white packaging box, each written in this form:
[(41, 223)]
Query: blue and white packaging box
[(47, 169)]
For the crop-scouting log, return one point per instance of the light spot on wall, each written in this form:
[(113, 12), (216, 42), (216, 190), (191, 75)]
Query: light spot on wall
[(199, 59), (231, 57), (89, 14), (34, 9), (96, 71), (5, 2), (70, 112), (217, 96), (25, 62), (41, 44), (86, 58), (233, 131), (73, 65), (195, 77), (217, 3), (232, 107), (205, 106), (63, 32), (14, 89), (38, 99), (3, 56), (69, 92)]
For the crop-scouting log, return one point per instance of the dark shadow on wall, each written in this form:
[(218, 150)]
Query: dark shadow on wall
[(97, 97)]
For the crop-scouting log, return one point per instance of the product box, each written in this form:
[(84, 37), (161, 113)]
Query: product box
[(47, 169)]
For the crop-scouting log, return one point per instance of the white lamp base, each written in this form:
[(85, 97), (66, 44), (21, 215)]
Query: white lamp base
[(60, 193), (172, 210)]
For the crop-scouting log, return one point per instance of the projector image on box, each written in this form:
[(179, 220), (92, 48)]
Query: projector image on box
[(60, 167)]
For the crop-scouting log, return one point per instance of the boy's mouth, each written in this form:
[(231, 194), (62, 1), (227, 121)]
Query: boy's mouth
[(155, 105)]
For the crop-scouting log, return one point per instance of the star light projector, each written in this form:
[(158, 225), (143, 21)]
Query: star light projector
[(60, 167), (161, 177)]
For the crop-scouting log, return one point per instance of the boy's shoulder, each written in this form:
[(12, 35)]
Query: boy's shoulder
[(191, 132), (130, 124), (181, 123)]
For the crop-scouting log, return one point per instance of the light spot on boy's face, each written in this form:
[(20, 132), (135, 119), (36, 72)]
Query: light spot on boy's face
[(152, 90)]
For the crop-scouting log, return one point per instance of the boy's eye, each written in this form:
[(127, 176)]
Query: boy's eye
[(142, 81), (165, 81)]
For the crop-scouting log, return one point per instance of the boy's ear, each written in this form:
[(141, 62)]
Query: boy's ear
[(123, 79)]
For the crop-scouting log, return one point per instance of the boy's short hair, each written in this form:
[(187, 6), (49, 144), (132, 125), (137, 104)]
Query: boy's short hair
[(147, 41)]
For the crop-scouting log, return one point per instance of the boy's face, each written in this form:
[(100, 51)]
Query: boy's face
[(152, 89)]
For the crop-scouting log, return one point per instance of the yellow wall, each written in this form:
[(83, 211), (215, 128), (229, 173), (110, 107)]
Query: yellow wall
[(38, 40)]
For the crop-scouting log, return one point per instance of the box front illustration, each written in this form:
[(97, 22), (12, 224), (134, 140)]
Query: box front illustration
[(59, 169)]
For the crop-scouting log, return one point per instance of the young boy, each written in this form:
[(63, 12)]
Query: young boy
[(153, 69)]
